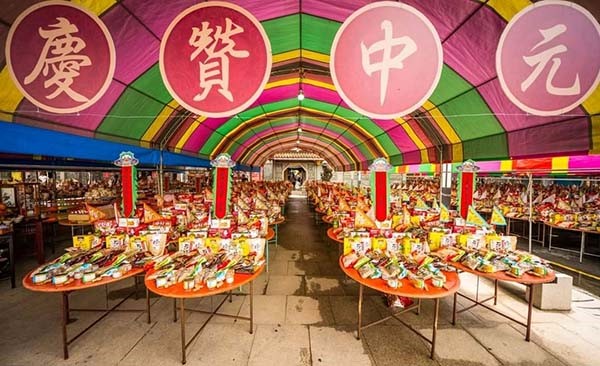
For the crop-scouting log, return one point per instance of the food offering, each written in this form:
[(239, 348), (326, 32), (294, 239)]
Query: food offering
[(492, 254), (207, 266), (397, 269), (86, 266)]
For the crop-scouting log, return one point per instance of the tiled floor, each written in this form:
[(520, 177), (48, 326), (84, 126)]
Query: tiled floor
[(305, 313)]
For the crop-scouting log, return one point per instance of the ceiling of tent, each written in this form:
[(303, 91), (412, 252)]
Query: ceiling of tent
[(467, 117)]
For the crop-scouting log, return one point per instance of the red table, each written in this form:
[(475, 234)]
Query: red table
[(177, 292), (527, 280), (407, 290), (77, 285)]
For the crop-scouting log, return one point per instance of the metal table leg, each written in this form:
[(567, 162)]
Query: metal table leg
[(251, 307), (529, 311), (495, 292), (148, 305), (582, 247), (550, 240), (360, 300), (64, 321), (435, 323), (182, 320), (174, 310), (454, 309)]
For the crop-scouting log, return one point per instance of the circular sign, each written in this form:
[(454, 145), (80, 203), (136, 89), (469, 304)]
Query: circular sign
[(215, 59), (60, 56), (548, 57), (386, 60)]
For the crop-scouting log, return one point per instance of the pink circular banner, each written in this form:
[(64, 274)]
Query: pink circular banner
[(215, 59), (386, 60), (60, 56), (548, 57)]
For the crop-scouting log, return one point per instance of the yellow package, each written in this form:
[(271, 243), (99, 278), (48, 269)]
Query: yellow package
[(83, 241), (214, 244), (379, 244), (185, 244), (139, 242), (115, 242), (358, 244), (490, 238), (435, 240), (243, 244), (462, 240), (415, 220)]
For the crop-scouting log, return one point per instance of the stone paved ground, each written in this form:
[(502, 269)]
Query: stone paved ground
[(305, 313)]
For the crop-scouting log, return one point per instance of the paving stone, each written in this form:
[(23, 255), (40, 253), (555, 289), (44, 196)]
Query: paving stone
[(280, 345), (337, 346), (324, 286), (268, 309), (390, 344), (302, 268), (285, 285), (508, 345), (308, 310)]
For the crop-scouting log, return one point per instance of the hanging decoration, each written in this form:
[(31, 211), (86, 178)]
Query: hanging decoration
[(497, 217), (380, 188), (474, 218), (444, 213), (222, 181), (466, 186), (127, 162)]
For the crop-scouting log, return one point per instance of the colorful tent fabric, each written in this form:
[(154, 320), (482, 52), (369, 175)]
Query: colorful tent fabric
[(467, 117), (553, 165)]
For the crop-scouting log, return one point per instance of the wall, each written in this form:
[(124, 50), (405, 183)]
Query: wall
[(274, 170)]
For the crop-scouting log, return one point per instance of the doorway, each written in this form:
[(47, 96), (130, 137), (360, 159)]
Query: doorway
[(296, 176)]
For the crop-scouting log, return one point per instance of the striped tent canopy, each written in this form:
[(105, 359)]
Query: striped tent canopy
[(467, 117)]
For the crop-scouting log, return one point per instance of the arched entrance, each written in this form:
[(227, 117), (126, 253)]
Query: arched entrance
[(295, 174)]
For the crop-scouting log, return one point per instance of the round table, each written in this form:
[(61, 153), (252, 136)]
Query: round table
[(177, 291), (77, 285), (407, 290), (327, 219), (331, 235), (527, 279)]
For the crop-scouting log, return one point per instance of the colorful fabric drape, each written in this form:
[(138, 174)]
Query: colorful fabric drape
[(222, 182), (380, 188), (129, 184)]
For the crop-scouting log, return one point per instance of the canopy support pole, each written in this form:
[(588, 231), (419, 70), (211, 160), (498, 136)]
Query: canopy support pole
[(160, 174), (530, 198)]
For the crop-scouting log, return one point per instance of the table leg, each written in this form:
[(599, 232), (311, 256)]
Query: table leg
[(182, 320), (64, 321), (582, 247), (529, 311), (135, 281), (477, 290), (11, 258), (435, 322), (360, 300), (543, 234), (550, 240), (39, 242), (267, 252), (175, 310), (276, 235), (251, 307), (495, 292), (148, 305), (419, 308), (454, 309)]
